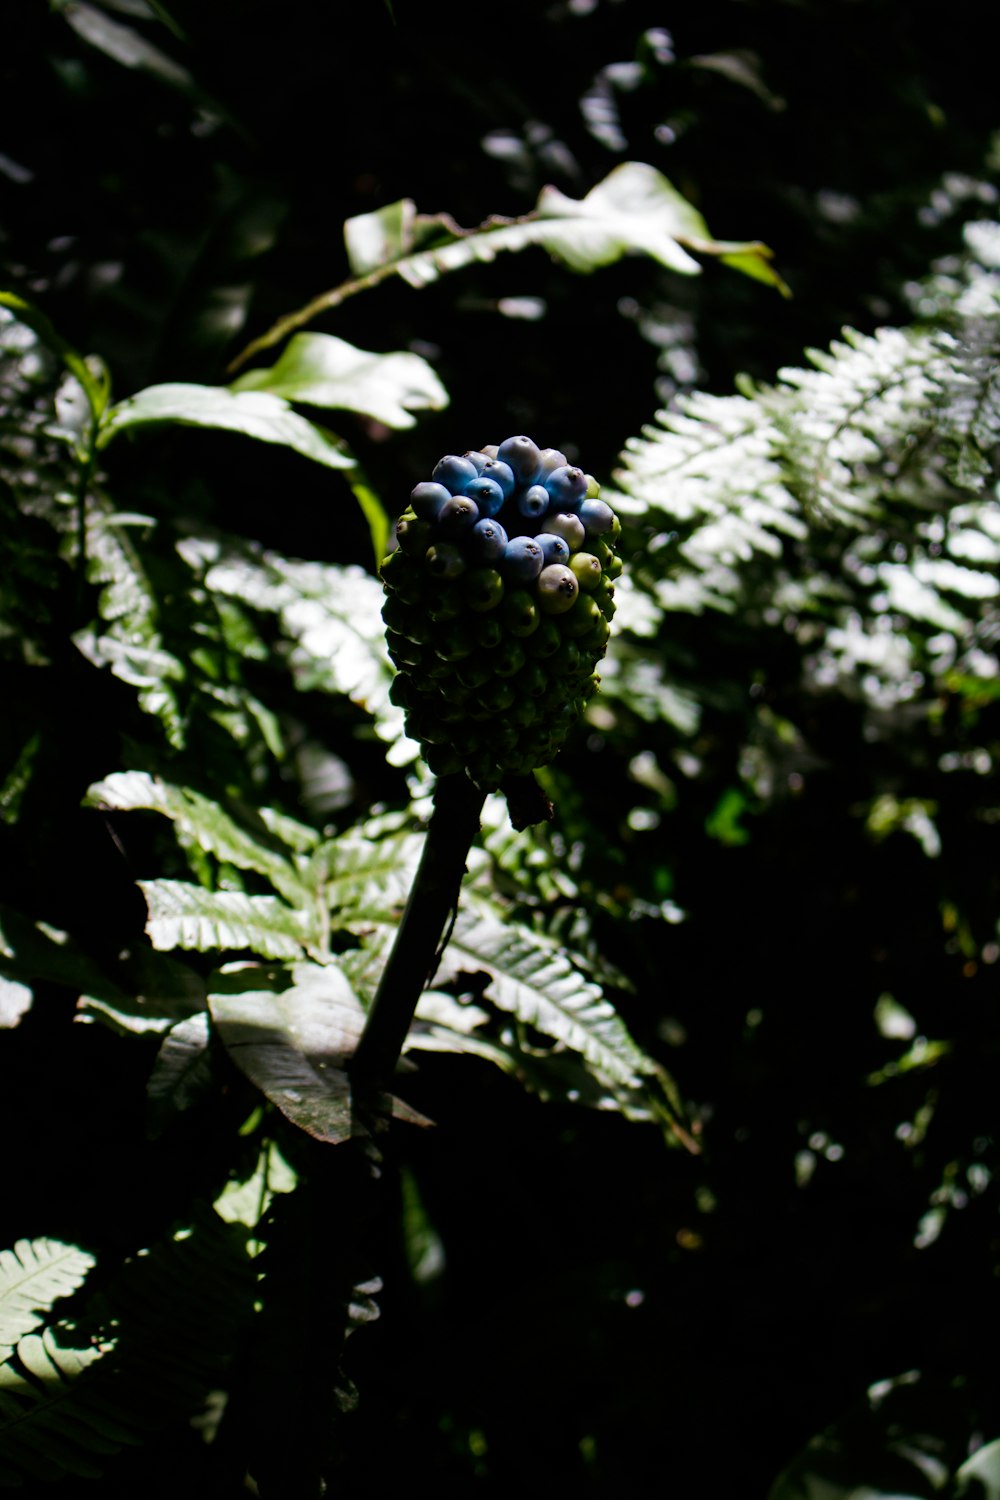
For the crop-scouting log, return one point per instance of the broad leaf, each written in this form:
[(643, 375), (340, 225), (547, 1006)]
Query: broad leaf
[(32, 1276), (256, 414), (182, 1072), (292, 1033), (979, 1476), (320, 370), (187, 916)]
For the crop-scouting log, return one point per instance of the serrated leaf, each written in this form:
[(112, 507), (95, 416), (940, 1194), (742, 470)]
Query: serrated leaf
[(182, 1072), (32, 1276), (292, 1032), (187, 916), (201, 821), (533, 980), (320, 370), (255, 414), (363, 880)]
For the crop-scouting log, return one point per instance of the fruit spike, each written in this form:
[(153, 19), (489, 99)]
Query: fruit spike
[(497, 605)]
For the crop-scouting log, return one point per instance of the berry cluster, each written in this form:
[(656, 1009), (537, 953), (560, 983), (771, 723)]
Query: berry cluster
[(497, 609)]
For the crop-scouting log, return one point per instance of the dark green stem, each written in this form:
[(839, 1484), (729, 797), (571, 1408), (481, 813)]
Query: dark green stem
[(454, 824)]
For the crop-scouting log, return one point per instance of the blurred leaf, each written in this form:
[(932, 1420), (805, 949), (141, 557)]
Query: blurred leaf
[(94, 385), (320, 370), (292, 1032), (123, 44), (15, 1001), (256, 414), (979, 1476)]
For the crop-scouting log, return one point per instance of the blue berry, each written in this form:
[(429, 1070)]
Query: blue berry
[(523, 456), (427, 499), (487, 542), (523, 559), (457, 473), (487, 494), (457, 517), (555, 548), (501, 473), (533, 502), (551, 458), (567, 486), (598, 517)]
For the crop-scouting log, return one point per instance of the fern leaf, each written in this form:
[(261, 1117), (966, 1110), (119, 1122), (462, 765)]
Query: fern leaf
[(533, 980), (162, 1336), (187, 916), (32, 1275), (365, 881), (201, 822), (131, 644)]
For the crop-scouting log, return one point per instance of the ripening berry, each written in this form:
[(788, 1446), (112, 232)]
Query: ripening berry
[(567, 487), (487, 494), (444, 560), (533, 502), (487, 542), (520, 613), (428, 498), (557, 589), (597, 517), (555, 549), (482, 589), (568, 526), (523, 559), (586, 569), (457, 516)]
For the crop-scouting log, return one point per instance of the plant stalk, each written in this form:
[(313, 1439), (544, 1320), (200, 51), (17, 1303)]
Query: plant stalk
[(458, 806)]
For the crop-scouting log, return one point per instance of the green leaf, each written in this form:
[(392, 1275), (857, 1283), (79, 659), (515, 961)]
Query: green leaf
[(95, 385), (159, 1340), (187, 916), (320, 370), (256, 414), (366, 881), (182, 1071), (292, 1032), (979, 1476), (150, 993), (200, 821), (532, 979), (131, 644), (32, 1276), (634, 210)]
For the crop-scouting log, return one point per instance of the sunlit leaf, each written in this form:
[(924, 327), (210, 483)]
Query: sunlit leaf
[(320, 370), (187, 916), (15, 1001), (124, 44), (292, 1032), (979, 1476), (255, 414), (32, 1276)]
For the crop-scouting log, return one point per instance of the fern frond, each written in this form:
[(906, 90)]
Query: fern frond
[(32, 1276)]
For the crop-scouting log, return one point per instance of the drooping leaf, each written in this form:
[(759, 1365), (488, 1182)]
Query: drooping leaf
[(633, 210), (292, 1032), (255, 414), (320, 370), (182, 1072), (533, 980), (32, 1276), (187, 916), (124, 44)]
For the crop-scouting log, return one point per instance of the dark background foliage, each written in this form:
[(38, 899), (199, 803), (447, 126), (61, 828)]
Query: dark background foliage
[(612, 1318)]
